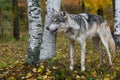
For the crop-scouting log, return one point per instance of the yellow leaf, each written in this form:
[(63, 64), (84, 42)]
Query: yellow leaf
[(28, 75), (83, 77), (40, 77), (54, 67), (45, 77), (77, 76), (75, 72), (106, 78), (34, 70), (40, 70), (94, 74), (115, 73), (48, 72), (11, 78)]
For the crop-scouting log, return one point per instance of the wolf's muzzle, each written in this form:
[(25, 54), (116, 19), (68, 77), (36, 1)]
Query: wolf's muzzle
[(52, 31), (47, 28)]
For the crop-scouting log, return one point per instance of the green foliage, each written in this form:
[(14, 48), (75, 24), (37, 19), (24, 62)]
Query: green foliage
[(6, 20), (2, 64), (5, 8), (5, 5)]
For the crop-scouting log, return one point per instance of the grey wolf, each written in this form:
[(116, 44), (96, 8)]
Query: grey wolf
[(79, 27)]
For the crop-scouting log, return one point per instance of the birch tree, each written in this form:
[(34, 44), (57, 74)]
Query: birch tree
[(117, 22), (35, 30), (48, 42)]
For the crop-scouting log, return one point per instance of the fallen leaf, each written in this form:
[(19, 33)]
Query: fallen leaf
[(28, 75)]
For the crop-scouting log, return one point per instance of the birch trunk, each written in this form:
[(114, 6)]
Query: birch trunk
[(117, 22), (35, 30), (47, 50)]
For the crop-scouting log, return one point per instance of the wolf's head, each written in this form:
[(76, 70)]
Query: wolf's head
[(58, 21)]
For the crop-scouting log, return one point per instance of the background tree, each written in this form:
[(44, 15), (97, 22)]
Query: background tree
[(35, 30), (1, 22), (6, 18), (113, 4), (83, 6), (100, 11), (71, 6), (15, 19), (48, 41), (117, 21)]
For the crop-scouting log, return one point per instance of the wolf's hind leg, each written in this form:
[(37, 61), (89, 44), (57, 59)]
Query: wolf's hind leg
[(105, 43), (96, 42)]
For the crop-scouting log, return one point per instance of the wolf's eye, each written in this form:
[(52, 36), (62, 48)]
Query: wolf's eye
[(56, 21)]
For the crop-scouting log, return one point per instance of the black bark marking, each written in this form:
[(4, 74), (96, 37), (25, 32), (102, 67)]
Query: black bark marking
[(115, 20), (115, 30), (33, 9), (39, 33), (38, 25), (35, 37), (116, 26), (46, 12), (36, 17)]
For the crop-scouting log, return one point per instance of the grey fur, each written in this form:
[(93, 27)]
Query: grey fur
[(79, 27), (95, 18)]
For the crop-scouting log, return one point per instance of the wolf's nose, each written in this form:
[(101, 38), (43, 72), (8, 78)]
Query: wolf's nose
[(47, 28)]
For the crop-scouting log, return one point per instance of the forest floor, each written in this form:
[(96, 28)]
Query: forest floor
[(13, 56)]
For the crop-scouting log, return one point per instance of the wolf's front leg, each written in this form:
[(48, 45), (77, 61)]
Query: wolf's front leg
[(71, 49), (83, 44)]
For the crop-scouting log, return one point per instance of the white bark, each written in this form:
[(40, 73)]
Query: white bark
[(117, 18), (117, 22), (35, 30), (48, 45)]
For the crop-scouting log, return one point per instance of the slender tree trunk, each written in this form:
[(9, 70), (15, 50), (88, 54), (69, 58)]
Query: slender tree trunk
[(100, 11), (15, 19), (35, 30), (83, 6), (1, 28), (0, 17), (48, 45), (117, 22), (113, 2)]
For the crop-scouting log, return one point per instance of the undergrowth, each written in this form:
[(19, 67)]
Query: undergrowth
[(13, 56)]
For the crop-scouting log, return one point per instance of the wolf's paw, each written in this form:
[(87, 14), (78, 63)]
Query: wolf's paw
[(71, 68), (82, 69), (110, 65), (99, 65)]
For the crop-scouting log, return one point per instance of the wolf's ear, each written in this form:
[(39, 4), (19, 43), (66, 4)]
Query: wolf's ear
[(54, 11), (64, 14)]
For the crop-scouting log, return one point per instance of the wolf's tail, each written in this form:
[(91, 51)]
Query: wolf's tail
[(111, 42)]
